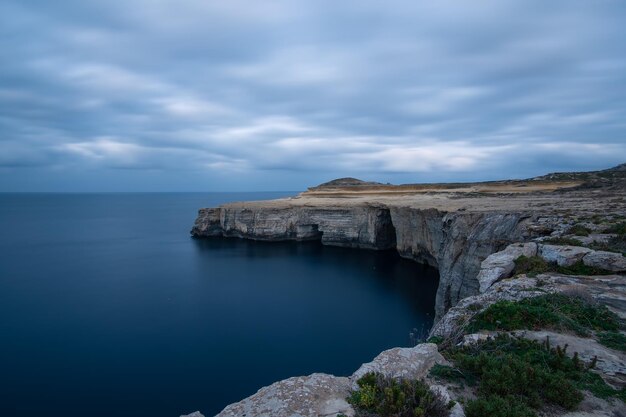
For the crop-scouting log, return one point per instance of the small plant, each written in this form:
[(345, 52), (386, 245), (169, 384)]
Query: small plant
[(579, 268), (579, 230), (614, 340), (562, 241), (379, 395), (617, 228), (446, 372), (531, 266)]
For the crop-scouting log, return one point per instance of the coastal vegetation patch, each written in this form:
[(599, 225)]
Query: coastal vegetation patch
[(558, 312), (379, 395), (515, 377), (535, 265)]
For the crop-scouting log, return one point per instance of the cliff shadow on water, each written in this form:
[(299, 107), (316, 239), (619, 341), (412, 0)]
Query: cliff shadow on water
[(281, 309)]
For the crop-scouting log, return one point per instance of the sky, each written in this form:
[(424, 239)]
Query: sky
[(203, 95)]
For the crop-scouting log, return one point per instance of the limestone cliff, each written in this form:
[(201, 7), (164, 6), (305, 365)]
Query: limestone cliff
[(453, 227)]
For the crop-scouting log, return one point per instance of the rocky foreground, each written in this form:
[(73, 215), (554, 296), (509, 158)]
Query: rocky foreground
[(561, 235)]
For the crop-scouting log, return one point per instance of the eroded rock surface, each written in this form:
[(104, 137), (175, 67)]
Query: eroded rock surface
[(318, 395), (411, 363)]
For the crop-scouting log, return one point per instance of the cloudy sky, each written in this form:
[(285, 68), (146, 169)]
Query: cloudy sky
[(183, 95)]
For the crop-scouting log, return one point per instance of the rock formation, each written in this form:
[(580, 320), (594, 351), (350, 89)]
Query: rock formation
[(473, 233)]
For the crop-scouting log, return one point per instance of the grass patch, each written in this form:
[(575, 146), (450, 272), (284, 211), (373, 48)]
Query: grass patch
[(535, 265), (579, 230), (613, 340), (517, 377), (563, 241), (550, 311), (531, 266), (617, 228), (379, 395)]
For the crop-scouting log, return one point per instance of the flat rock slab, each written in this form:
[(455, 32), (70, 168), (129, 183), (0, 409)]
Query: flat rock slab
[(500, 265), (611, 261), (316, 395), (562, 255), (413, 363)]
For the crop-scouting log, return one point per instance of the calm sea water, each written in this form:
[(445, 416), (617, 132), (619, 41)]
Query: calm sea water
[(109, 308)]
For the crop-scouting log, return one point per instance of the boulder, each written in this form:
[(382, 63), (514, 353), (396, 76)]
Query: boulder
[(194, 414), (611, 261), (562, 255), (303, 396), (500, 265), (412, 363)]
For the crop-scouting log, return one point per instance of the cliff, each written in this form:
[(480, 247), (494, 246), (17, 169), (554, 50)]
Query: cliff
[(452, 227), (572, 222)]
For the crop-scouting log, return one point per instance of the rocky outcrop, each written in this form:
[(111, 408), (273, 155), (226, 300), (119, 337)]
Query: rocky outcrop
[(410, 363), (563, 255), (317, 395), (455, 243), (366, 226), (500, 265), (320, 395)]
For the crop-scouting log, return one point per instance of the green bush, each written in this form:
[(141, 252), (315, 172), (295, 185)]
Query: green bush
[(614, 340), (383, 396), (535, 265), (554, 311), (531, 266), (495, 406), (579, 230), (617, 228), (515, 377)]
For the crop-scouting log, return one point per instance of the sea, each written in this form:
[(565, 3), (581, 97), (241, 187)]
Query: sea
[(108, 307)]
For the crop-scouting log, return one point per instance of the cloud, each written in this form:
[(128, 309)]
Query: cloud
[(239, 95)]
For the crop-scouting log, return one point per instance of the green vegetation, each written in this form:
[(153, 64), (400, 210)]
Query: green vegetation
[(531, 266), (516, 377), (564, 241), (617, 228), (383, 396), (612, 339), (534, 265), (551, 311), (579, 230)]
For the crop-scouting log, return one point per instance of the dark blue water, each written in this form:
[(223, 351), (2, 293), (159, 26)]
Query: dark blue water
[(109, 308)]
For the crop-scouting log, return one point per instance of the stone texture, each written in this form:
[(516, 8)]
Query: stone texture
[(562, 255), (500, 265), (413, 363), (194, 414), (316, 395), (610, 261)]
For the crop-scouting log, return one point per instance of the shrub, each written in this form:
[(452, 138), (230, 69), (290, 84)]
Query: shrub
[(614, 340), (579, 230), (379, 395), (534, 265), (617, 228), (495, 406), (514, 377), (555, 311), (531, 266)]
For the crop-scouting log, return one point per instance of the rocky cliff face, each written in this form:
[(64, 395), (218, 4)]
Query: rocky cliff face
[(456, 243)]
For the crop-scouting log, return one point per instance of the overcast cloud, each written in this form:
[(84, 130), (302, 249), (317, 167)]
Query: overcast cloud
[(280, 95)]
